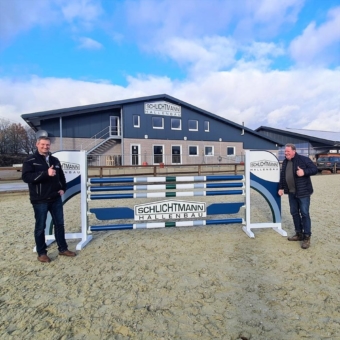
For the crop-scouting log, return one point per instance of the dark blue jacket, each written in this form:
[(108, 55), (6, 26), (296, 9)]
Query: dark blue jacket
[(303, 185), (42, 187)]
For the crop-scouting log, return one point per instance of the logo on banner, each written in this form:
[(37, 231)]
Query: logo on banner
[(264, 165), (169, 210), (71, 170), (163, 109)]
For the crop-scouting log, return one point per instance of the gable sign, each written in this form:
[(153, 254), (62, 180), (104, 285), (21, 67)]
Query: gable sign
[(162, 109)]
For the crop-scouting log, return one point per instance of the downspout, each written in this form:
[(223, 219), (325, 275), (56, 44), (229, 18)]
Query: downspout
[(122, 134), (61, 132)]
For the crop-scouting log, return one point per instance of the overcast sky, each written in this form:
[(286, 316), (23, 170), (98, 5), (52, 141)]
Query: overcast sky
[(265, 63)]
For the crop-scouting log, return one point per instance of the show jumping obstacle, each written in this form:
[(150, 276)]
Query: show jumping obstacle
[(171, 211), (262, 172)]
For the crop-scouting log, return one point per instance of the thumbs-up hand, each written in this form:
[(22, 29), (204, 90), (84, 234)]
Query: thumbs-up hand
[(300, 172), (51, 171)]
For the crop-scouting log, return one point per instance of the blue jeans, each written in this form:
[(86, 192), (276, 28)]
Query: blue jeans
[(299, 209), (40, 213)]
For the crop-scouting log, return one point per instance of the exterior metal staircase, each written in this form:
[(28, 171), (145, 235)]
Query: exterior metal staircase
[(102, 147), (101, 142)]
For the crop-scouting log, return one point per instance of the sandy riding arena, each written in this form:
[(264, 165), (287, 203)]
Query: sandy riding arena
[(174, 283)]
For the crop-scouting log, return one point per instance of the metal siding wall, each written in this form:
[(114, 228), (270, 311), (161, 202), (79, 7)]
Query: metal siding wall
[(217, 129), (51, 126), (282, 138), (81, 125), (253, 142)]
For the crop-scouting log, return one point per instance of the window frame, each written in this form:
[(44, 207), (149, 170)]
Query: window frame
[(208, 129), (212, 148), (193, 120), (180, 123), (156, 127), (138, 117), (180, 153), (197, 148), (234, 151), (153, 153)]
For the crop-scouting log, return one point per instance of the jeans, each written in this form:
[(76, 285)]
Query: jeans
[(299, 209), (40, 213)]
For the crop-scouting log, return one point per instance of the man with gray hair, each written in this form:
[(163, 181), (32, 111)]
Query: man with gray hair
[(295, 181)]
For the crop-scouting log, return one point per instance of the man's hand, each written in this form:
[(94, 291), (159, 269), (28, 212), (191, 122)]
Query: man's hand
[(280, 192), (51, 171), (61, 192), (300, 172)]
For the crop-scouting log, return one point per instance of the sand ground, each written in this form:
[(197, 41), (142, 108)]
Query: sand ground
[(174, 283)]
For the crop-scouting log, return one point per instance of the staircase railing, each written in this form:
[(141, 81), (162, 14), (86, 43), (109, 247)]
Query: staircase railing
[(97, 139)]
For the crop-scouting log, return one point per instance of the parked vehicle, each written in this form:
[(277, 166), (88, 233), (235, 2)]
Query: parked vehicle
[(329, 162)]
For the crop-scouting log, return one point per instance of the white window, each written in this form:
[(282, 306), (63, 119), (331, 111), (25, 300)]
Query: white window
[(158, 154), (193, 150), (193, 125), (158, 122), (136, 121), (208, 151), (206, 126), (176, 153), (230, 150), (176, 124)]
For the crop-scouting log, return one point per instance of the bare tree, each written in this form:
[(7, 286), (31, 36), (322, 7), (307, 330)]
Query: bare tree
[(16, 137), (30, 141), (4, 126), (4, 136)]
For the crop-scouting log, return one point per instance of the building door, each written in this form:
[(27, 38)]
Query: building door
[(157, 154), (135, 154), (114, 126)]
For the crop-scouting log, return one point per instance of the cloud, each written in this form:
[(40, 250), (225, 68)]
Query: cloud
[(255, 97), (89, 44), (276, 10), (319, 45), (85, 10), (166, 18), (17, 16), (226, 73), (156, 20), (216, 53), (264, 19), (200, 55)]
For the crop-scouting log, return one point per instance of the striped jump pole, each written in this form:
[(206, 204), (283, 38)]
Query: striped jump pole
[(167, 179), (166, 224)]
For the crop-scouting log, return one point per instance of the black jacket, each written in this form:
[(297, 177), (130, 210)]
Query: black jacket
[(42, 187), (303, 185)]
